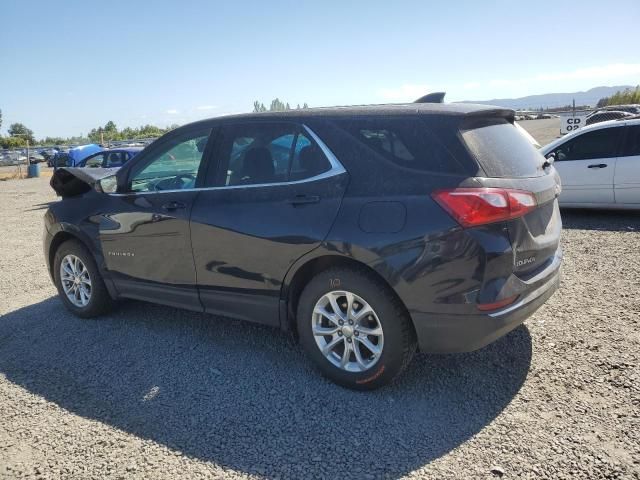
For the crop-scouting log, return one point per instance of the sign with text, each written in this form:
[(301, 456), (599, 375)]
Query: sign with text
[(571, 122)]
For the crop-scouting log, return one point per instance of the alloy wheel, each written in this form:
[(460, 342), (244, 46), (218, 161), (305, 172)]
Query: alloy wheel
[(76, 281), (347, 331)]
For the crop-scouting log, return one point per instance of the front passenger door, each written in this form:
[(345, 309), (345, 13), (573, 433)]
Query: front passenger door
[(144, 231), (587, 164)]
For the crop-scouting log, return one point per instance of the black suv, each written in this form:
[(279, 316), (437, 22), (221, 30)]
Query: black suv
[(366, 231)]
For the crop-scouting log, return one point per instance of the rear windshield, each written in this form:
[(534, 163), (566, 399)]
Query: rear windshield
[(500, 149), (404, 141)]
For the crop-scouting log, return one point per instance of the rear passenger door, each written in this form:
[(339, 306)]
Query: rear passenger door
[(271, 195), (627, 177), (587, 164)]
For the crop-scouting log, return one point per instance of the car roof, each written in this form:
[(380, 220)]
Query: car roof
[(609, 112), (596, 126), (123, 149), (438, 109)]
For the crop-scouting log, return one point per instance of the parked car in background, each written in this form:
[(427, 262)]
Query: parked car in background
[(599, 165), (35, 157), (606, 115), (75, 155), (367, 230), (112, 158)]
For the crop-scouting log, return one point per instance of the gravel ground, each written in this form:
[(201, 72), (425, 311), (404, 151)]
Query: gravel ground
[(154, 392), (543, 130)]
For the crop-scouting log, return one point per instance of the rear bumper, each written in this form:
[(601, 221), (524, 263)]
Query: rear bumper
[(465, 333)]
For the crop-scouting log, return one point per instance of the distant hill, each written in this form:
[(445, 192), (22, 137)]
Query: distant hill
[(551, 100)]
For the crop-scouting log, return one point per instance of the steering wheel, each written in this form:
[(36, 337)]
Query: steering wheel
[(175, 183)]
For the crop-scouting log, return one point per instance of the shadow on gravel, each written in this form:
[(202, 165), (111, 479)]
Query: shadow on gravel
[(604, 220), (42, 206), (246, 398)]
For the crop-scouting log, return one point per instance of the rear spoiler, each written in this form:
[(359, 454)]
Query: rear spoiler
[(72, 181), (435, 97), (488, 112), (495, 112)]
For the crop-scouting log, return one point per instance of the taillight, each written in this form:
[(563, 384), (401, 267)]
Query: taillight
[(471, 207)]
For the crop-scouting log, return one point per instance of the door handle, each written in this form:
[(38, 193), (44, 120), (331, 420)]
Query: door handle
[(598, 165), (173, 205), (304, 199)]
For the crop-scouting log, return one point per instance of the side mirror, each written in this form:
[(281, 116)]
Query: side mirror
[(107, 184), (551, 157)]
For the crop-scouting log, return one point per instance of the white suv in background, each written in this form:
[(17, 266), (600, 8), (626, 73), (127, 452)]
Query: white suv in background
[(599, 165)]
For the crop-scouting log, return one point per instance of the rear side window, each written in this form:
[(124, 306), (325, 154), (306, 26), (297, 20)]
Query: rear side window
[(265, 153), (500, 148), (632, 145), (404, 141), (602, 143)]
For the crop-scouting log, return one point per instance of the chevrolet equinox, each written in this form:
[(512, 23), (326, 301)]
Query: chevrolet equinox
[(368, 232)]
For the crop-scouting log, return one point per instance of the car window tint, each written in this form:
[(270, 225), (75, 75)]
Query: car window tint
[(501, 148), (632, 145), (406, 142), (259, 153), (308, 159), (280, 149), (602, 143), (95, 161), (174, 166), (115, 159), (62, 160)]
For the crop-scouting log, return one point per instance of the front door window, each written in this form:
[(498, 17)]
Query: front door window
[(174, 167)]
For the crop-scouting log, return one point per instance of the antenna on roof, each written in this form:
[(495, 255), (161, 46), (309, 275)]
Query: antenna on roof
[(435, 97)]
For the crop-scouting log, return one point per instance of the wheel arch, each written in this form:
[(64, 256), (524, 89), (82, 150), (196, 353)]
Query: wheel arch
[(65, 234), (306, 271), (57, 240)]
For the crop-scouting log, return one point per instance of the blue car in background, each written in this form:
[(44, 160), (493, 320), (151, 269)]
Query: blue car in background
[(74, 156), (112, 158)]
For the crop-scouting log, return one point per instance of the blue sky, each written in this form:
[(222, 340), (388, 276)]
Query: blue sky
[(68, 66)]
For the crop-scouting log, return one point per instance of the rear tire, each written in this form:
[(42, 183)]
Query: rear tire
[(370, 320), (79, 283)]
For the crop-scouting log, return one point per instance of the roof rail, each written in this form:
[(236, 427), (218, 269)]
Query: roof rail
[(435, 97)]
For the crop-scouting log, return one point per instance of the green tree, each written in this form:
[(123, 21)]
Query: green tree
[(95, 135), (276, 105), (13, 142), (53, 141), (624, 97), (0, 119), (19, 130), (110, 128)]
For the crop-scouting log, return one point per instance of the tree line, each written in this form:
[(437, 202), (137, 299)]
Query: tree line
[(277, 105), (621, 97), (20, 133), (110, 132)]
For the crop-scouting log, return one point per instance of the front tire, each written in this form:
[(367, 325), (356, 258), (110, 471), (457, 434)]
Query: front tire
[(355, 329), (79, 282)]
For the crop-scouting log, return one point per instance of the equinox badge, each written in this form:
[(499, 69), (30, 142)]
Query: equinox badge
[(525, 261)]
